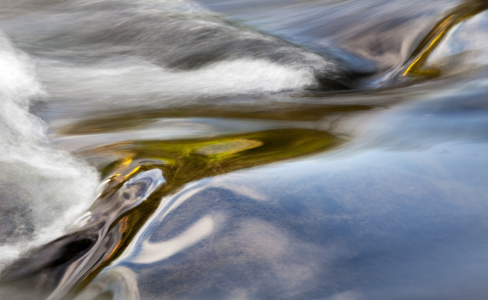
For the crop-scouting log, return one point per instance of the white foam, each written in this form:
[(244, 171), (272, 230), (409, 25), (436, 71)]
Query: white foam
[(42, 190), (126, 83)]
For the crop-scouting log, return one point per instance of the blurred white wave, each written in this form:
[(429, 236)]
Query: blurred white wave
[(137, 83), (42, 189)]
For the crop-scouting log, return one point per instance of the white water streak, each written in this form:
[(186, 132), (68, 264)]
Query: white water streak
[(125, 83), (42, 190)]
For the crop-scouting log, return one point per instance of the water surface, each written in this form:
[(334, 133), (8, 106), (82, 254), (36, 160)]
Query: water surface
[(278, 149)]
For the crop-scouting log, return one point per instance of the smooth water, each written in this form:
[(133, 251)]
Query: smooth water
[(211, 149)]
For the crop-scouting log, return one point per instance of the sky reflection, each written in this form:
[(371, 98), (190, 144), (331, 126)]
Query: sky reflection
[(288, 149), (410, 225)]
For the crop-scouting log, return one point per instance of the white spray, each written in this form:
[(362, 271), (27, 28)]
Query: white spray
[(42, 189)]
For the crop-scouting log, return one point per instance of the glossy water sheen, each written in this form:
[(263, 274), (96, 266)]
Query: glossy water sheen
[(211, 149)]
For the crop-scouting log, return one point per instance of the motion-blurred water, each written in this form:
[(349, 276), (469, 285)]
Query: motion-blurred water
[(210, 149)]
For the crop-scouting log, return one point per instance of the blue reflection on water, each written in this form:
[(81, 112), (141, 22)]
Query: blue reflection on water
[(376, 225)]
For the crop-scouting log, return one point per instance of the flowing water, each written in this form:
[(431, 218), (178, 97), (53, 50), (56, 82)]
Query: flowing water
[(225, 149)]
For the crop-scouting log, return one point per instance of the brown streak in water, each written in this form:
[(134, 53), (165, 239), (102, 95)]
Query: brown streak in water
[(122, 229), (288, 112), (417, 60)]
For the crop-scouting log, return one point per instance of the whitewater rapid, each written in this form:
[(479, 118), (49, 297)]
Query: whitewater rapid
[(43, 189)]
